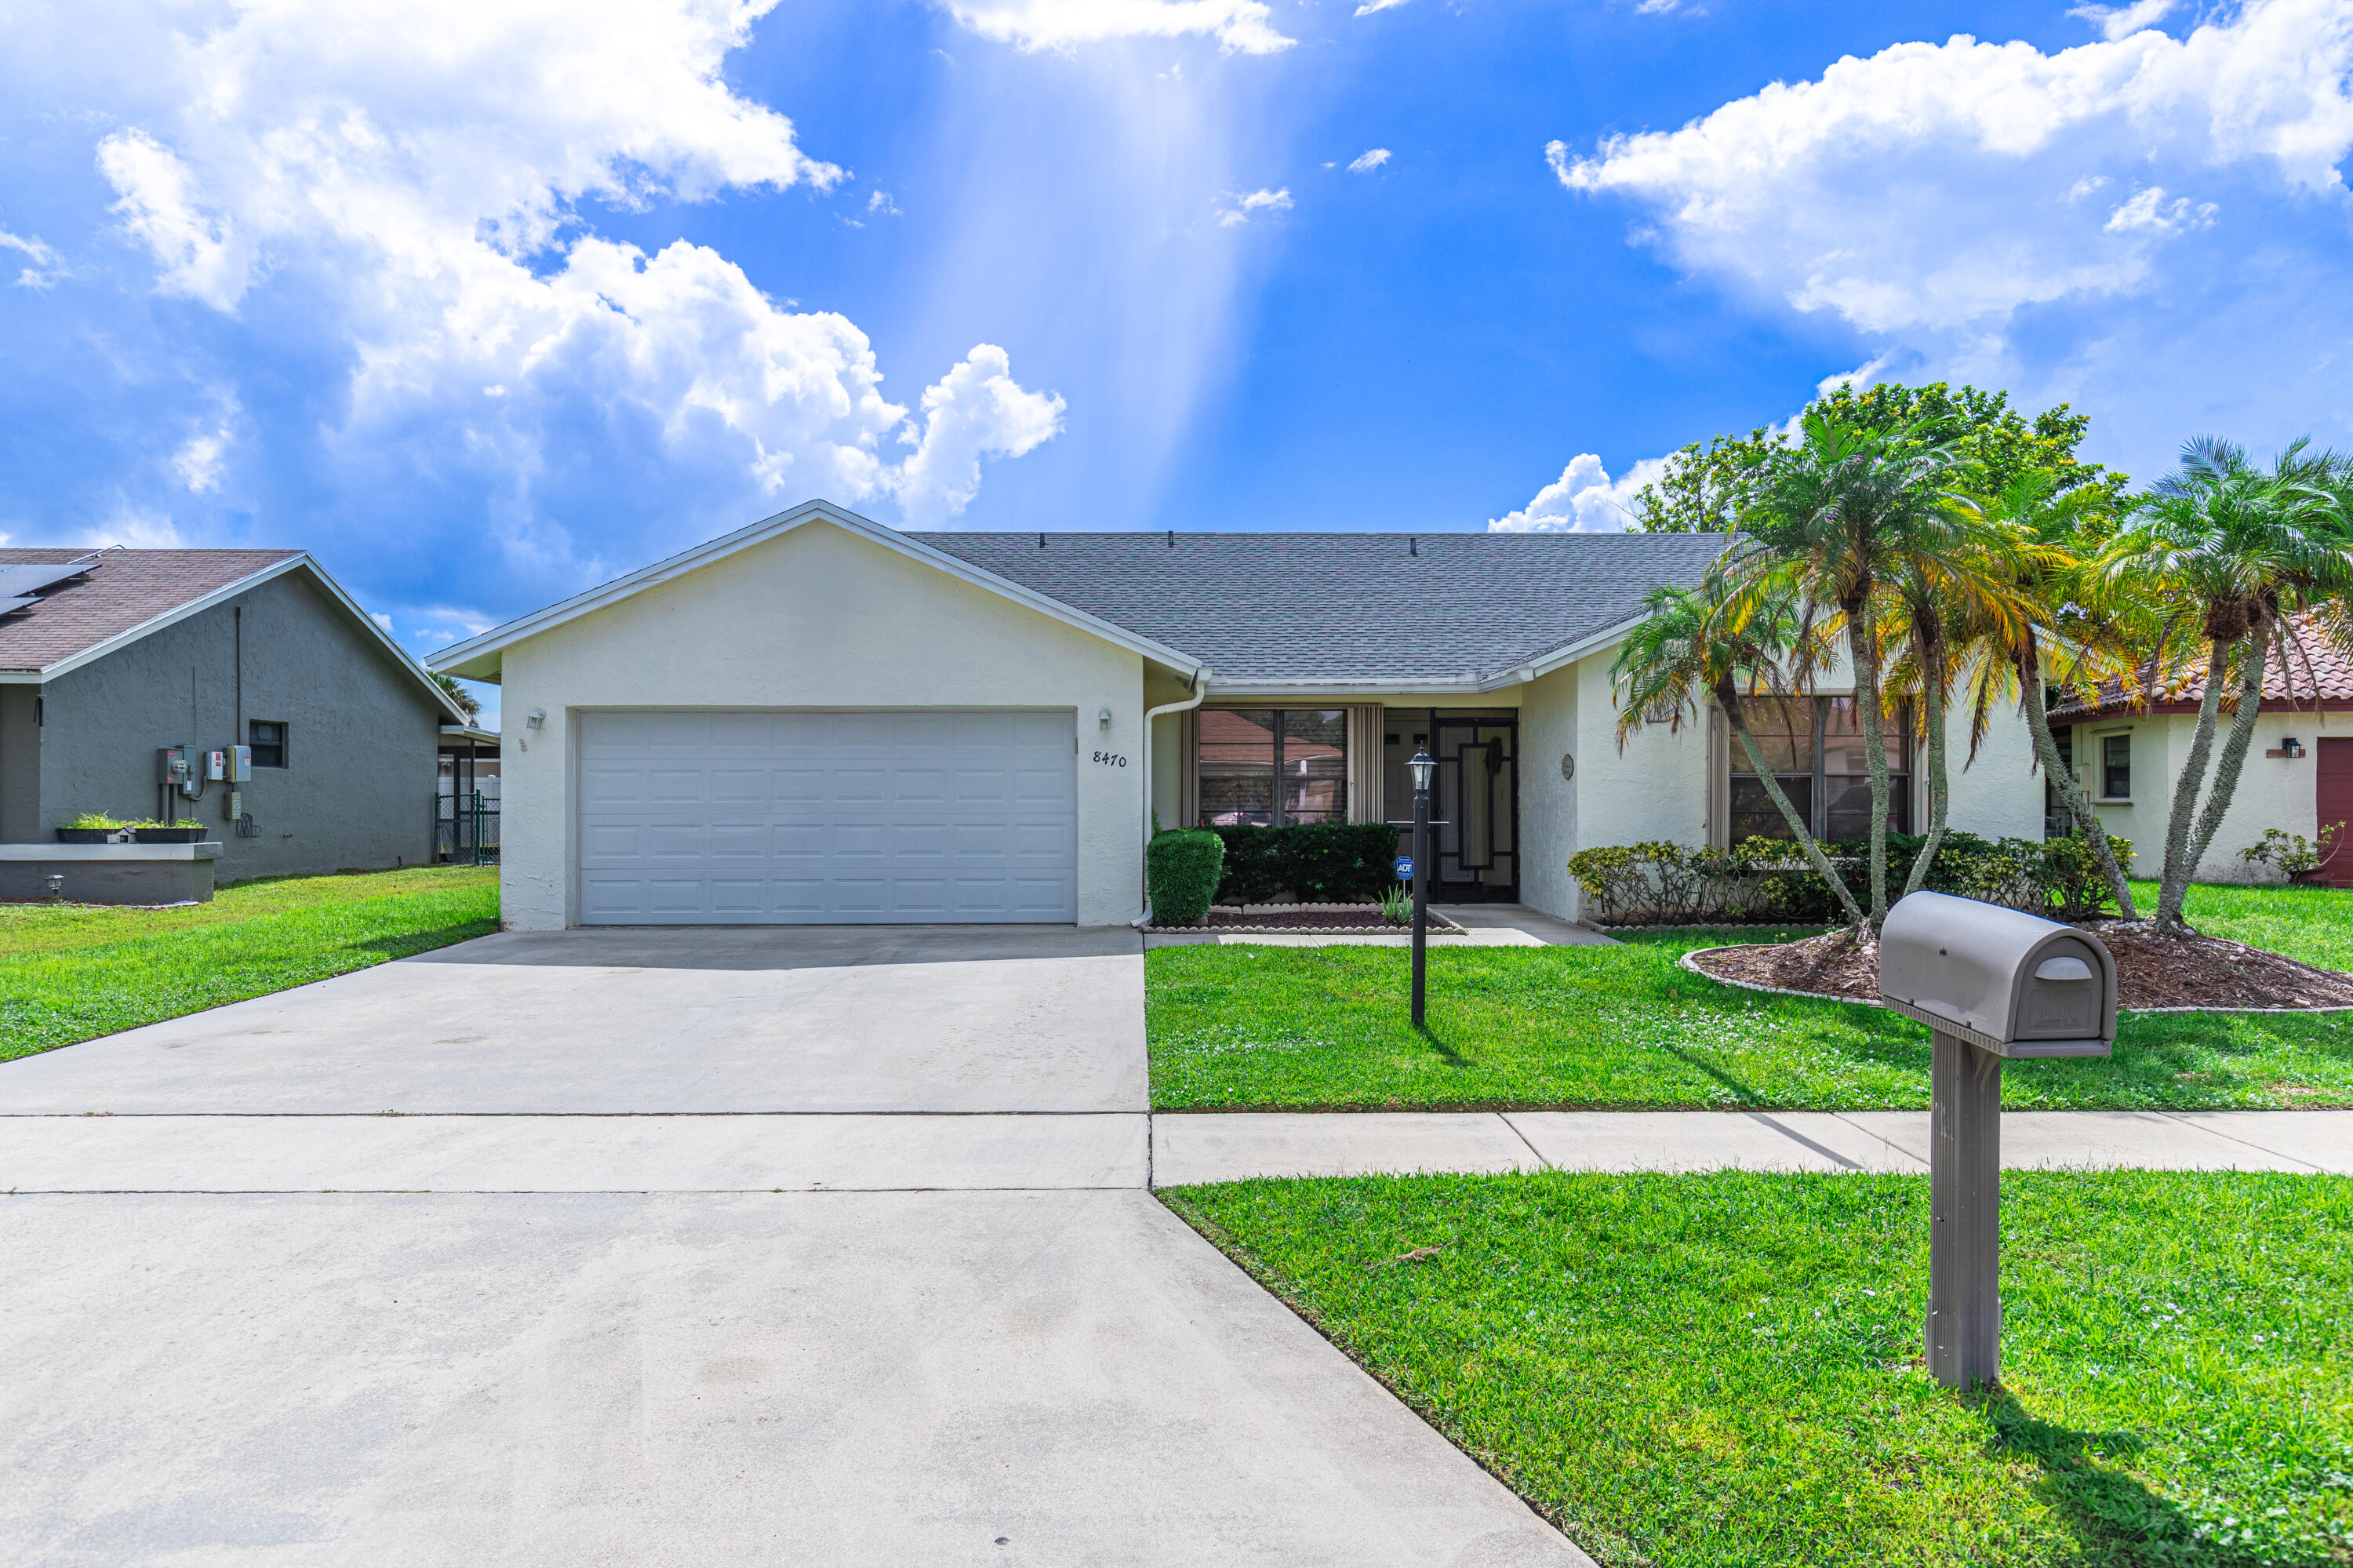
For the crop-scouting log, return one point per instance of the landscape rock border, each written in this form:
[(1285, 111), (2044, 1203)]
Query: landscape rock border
[(1685, 962)]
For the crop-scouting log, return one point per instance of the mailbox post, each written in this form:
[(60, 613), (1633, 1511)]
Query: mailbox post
[(1992, 983)]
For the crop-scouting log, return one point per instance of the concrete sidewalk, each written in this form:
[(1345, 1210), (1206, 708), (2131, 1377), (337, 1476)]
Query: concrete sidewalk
[(1229, 1147)]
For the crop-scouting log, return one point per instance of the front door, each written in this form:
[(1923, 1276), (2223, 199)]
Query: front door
[(2333, 792), (1478, 800)]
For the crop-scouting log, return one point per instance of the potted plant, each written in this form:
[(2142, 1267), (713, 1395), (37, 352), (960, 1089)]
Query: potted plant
[(94, 828), (182, 831)]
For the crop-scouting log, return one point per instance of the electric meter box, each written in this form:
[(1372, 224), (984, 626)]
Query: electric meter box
[(240, 764), (172, 764), (217, 765), (2006, 981)]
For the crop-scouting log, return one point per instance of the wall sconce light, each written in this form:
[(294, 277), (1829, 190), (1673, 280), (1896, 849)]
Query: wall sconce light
[(536, 719), (1103, 719), (2289, 748)]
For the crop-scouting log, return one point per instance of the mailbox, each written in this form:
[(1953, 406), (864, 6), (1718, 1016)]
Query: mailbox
[(2007, 982), (1991, 983)]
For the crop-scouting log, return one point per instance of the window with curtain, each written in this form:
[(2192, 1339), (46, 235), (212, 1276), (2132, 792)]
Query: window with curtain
[(1814, 746), (1273, 767)]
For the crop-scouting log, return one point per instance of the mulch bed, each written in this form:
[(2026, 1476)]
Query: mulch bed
[(1340, 919), (2152, 972)]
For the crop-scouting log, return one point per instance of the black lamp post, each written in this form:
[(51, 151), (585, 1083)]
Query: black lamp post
[(1421, 767)]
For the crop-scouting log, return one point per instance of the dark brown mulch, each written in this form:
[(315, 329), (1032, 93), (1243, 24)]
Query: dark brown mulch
[(2189, 970), (1353, 918)]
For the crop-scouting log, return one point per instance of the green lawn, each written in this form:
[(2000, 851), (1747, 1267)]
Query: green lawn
[(1711, 1371), (73, 973), (1624, 1027)]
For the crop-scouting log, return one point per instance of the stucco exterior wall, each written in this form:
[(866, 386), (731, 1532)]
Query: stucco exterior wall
[(813, 618), (362, 734), (1548, 803), (1657, 788), (1998, 795), (2272, 792)]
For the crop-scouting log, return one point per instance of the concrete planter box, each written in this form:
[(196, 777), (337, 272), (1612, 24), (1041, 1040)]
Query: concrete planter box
[(109, 873), (92, 836)]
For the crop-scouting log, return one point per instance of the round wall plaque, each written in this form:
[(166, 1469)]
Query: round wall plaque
[(1567, 766)]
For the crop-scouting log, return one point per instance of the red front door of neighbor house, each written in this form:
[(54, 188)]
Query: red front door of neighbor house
[(2333, 789)]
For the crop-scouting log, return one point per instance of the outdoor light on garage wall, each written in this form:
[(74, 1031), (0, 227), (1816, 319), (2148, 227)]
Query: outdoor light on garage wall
[(536, 719), (1103, 719)]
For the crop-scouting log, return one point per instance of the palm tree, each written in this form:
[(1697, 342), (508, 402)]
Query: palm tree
[(1841, 513), (2239, 548), (2050, 541), (461, 699), (1943, 615), (1721, 643)]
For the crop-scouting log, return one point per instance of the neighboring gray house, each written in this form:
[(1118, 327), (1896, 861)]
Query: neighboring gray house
[(136, 651)]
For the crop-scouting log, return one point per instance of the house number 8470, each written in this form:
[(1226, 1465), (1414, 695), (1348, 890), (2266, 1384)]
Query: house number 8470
[(1110, 759)]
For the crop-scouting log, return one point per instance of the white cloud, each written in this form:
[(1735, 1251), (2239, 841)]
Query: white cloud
[(45, 267), (2148, 227), (1902, 191), (136, 529), (427, 173), (2122, 21), (880, 205), (976, 410), (1367, 162), (1370, 6), (1240, 26), (1583, 500), (1260, 200), (2149, 210), (383, 621)]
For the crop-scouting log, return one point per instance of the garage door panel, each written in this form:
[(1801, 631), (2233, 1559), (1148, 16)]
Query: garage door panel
[(692, 817)]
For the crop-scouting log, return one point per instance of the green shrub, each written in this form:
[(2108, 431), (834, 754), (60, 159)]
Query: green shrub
[(1182, 870), (1324, 862), (1768, 879), (96, 821)]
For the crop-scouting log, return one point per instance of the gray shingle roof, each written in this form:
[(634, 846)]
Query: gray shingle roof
[(1348, 607)]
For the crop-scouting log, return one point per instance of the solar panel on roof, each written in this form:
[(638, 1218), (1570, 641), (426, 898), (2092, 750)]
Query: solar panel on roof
[(8, 604), (25, 581)]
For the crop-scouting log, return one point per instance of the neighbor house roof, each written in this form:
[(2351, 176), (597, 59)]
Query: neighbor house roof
[(1392, 611), (2319, 669), (123, 591), (127, 593)]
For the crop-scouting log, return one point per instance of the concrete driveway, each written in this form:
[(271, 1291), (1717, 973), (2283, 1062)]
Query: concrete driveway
[(677, 1247)]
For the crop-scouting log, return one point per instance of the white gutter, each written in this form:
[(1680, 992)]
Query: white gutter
[(1200, 691)]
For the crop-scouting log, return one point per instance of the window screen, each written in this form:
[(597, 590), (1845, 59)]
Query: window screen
[(1814, 747), (267, 738)]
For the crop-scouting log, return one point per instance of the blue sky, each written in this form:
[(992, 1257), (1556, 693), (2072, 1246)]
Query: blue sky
[(484, 305)]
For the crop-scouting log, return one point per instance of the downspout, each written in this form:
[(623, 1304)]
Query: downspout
[(1201, 689)]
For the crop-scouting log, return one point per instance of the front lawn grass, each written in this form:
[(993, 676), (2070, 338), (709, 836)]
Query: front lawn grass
[(1625, 1028), (1711, 1371), (76, 972)]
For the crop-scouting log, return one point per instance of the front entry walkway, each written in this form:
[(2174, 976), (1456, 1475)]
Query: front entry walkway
[(686, 1246)]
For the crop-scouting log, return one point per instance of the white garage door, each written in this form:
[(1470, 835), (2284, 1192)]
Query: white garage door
[(701, 817)]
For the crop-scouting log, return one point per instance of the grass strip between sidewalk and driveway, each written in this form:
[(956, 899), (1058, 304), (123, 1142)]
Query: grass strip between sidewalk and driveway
[(75, 971), (1722, 1370), (1625, 1028)]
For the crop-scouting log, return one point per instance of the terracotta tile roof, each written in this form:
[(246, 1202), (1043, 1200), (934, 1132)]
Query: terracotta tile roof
[(126, 588), (2329, 678)]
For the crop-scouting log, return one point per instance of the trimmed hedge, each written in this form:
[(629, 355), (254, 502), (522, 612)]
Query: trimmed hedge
[(1182, 870), (1336, 862), (1766, 879)]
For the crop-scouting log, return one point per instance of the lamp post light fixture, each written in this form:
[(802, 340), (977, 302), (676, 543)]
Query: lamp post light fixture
[(1421, 767)]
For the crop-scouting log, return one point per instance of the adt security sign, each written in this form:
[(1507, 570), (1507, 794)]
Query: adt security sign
[(1405, 868)]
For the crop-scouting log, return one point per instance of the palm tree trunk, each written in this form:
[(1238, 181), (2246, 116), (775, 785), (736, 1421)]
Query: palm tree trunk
[(1865, 651), (2071, 788), (2173, 885), (2234, 750), (1803, 833), (1931, 719)]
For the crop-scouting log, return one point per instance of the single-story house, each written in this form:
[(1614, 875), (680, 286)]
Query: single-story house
[(2298, 777), (112, 660), (820, 718)]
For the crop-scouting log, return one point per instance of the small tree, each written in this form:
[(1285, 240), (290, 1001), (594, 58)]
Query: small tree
[(2232, 550), (460, 698), (1846, 510), (1721, 643)]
